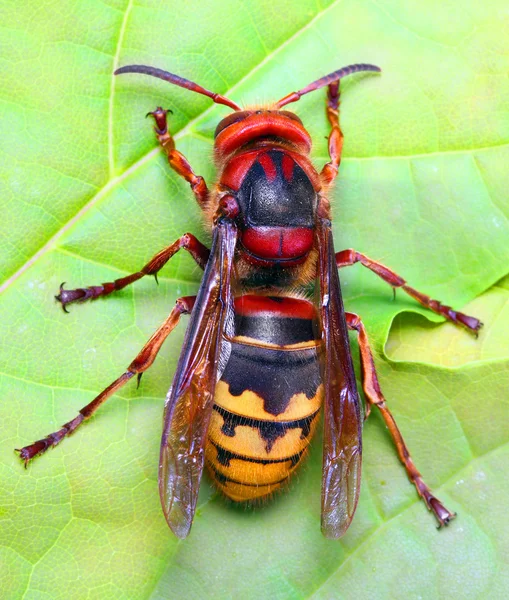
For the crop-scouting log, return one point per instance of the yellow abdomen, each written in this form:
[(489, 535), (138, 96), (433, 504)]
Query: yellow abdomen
[(267, 405)]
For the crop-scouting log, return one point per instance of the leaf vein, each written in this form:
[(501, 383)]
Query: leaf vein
[(123, 26)]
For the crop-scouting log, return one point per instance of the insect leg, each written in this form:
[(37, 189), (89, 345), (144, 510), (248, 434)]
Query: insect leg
[(188, 242), (375, 397), (330, 170), (178, 161), (140, 364), (345, 258)]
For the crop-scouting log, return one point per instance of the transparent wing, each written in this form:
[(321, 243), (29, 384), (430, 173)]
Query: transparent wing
[(191, 397), (342, 452)]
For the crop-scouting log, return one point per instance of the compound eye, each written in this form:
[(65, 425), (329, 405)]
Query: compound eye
[(230, 120), (290, 115)]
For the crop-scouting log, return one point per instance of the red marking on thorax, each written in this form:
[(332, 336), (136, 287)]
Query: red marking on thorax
[(268, 166), (237, 167), (251, 306), (287, 165), (273, 244)]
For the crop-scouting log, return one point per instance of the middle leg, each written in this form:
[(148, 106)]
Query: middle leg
[(374, 397), (188, 242), (349, 257)]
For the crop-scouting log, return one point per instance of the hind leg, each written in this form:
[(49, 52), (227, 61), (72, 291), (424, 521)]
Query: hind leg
[(138, 366), (374, 397)]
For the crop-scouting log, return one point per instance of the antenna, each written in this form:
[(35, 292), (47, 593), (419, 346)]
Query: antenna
[(323, 81), (176, 80)]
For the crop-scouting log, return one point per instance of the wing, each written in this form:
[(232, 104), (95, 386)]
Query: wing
[(191, 397), (342, 451)]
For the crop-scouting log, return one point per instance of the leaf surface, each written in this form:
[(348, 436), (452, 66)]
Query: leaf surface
[(87, 197)]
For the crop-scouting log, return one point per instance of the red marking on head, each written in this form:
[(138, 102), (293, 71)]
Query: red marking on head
[(268, 166), (287, 165), (262, 125), (251, 306)]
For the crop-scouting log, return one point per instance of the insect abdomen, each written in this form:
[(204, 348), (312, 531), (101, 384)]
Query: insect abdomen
[(268, 399)]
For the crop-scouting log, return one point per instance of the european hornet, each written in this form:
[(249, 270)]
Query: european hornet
[(267, 342)]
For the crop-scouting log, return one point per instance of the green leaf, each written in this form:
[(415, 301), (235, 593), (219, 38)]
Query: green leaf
[(415, 339), (87, 197)]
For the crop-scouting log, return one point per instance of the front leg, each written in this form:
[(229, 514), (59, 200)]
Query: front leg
[(330, 170), (188, 242), (345, 258), (177, 161)]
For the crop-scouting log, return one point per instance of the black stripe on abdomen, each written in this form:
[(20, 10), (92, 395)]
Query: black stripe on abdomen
[(269, 431), (224, 457), (275, 375), (269, 329)]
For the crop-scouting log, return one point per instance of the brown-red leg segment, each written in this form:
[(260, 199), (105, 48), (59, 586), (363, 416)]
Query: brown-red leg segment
[(140, 364), (349, 257), (374, 397), (330, 170), (178, 161), (188, 242)]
